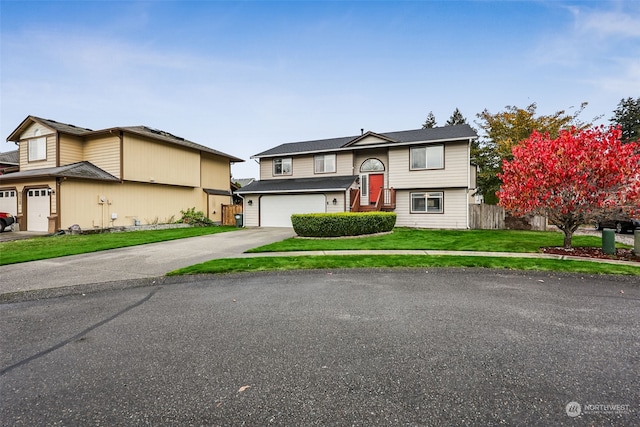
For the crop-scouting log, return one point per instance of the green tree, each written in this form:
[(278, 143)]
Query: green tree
[(430, 122), (627, 116), (503, 130), (456, 119)]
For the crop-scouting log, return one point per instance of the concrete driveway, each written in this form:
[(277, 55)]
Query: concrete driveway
[(137, 262), (355, 348)]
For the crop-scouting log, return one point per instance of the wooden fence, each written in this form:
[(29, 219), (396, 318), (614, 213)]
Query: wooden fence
[(492, 217), (229, 214)]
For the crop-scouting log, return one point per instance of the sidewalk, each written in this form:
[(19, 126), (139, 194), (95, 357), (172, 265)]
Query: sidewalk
[(155, 260)]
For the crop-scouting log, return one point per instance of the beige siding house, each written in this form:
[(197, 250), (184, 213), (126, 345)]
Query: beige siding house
[(423, 175), (112, 177)]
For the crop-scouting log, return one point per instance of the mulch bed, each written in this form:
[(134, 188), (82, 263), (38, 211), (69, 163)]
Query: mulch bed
[(621, 254)]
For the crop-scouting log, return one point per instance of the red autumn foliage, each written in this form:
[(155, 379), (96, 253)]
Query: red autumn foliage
[(574, 178)]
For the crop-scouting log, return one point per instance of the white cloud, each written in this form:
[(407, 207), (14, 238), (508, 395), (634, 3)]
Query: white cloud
[(623, 23)]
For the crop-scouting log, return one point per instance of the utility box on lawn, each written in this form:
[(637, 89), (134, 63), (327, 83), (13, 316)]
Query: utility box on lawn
[(608, 241)]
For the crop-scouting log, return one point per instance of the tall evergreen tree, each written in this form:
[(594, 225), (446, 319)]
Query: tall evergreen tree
[(456, 119), (430, 122), (627, 116)]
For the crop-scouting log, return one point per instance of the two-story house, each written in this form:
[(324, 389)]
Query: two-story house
[(111, 177), (423, 175)]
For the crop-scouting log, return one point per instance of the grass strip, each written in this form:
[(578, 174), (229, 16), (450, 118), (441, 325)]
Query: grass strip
[(459, 240), (235, 265), (46, 247)]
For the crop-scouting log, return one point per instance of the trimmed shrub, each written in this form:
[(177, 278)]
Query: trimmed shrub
[(342, 224), (195, 218)]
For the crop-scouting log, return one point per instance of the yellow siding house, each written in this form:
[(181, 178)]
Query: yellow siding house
[(119, 176)]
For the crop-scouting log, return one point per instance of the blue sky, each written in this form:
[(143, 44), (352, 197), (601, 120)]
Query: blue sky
[(242, 77)]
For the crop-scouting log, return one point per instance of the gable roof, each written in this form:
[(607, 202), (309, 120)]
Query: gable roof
[(432, 135), (83, 170), (139, 130), (298, 185)]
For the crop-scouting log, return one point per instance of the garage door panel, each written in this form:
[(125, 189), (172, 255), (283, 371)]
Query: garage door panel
[(38, 210), (276, 210), (9, 202)]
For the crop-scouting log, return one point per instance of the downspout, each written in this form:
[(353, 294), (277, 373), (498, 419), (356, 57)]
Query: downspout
[(121, 136), (57, 148), (58, 205)]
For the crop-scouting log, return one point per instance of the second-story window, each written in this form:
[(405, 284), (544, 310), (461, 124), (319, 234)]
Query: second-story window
[(38, 148), (427, 157), (282, 166), (325, 163)]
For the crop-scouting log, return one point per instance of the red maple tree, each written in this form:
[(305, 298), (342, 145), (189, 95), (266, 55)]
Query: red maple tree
[(573, 179)]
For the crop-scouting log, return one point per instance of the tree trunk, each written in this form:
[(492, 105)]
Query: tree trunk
[(568, 234)]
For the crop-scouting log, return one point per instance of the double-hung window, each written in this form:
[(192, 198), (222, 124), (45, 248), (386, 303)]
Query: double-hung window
[(325, 163), (427, 202), (282, 166), (427, 157)]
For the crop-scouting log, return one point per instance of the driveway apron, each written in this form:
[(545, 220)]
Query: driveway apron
[(136, 262)]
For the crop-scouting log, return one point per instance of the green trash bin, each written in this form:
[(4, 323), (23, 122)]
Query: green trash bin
[(608, 241), (238, 220)]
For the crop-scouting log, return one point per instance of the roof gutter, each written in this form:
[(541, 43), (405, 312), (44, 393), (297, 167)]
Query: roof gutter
[(307, 190)]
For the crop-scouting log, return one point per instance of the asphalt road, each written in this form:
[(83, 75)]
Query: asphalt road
[(366, 348)]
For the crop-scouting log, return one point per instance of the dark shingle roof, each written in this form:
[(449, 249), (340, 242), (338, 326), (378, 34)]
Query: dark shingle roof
[(445, 133), (84, 170), (216, 192), (10, 157), (62, 127), (296, 185)]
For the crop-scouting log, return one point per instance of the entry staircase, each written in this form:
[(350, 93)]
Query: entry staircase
[(386, 201)]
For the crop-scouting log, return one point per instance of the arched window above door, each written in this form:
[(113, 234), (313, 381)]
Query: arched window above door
[(372, 165)]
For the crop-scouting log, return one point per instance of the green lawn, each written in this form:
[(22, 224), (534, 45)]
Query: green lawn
[(401, 238), (458, 240), (56, 246), (233, 265)]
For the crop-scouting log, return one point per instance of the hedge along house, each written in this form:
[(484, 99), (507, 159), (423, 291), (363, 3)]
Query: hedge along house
[(423, 175), (111, 177)]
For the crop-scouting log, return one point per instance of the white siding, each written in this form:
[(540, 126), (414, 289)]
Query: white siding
[(251, 212), (454, 174), (369, 140), (341, 202), (454, 215)]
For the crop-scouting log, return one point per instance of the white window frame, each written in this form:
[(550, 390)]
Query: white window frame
[(37, 148), (364, 185), (285, 164), (324, 163), (428, 196), (372, 165), (431, 155)]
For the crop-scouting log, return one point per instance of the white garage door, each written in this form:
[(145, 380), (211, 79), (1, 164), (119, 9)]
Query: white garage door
[(276, 211), (38, 205), (9, 202)]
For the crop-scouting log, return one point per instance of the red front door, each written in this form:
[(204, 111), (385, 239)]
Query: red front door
[(376, 182)]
